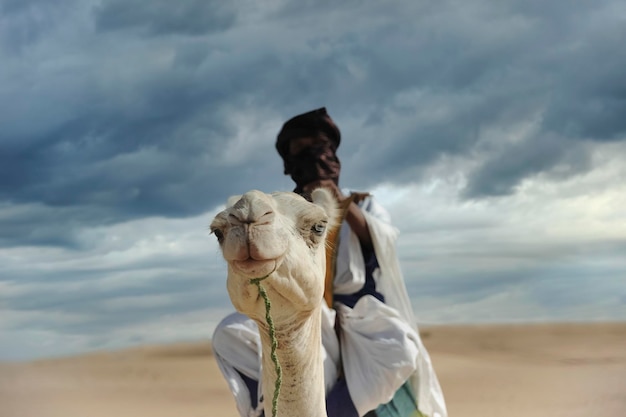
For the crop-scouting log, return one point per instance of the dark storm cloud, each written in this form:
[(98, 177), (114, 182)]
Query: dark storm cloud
[(163, 17), (114, 190), (154, 150), (489, 68), (592, 91), (577, 71), (144, 136), (506, 168), (37, 225), (24, 23)]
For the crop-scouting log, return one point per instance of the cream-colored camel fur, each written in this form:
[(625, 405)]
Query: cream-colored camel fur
[(282, 235)]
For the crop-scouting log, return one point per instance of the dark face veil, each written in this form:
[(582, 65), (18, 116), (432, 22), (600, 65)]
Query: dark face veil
[(318, 161), (314, 163)]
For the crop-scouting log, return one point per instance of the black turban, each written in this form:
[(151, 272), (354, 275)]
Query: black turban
[(312, 123)]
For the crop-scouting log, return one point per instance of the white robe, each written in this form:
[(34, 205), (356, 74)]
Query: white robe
[(380, 344)]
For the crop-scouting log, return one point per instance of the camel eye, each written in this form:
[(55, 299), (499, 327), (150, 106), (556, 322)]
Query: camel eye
[(318, 228), (218, 234)]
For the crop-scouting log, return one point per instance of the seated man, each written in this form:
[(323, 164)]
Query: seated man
[(375, 363)]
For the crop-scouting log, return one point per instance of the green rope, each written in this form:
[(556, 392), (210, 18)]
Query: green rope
[(270, 323)]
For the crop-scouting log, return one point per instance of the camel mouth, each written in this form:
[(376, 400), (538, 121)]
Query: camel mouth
[(253, 268)]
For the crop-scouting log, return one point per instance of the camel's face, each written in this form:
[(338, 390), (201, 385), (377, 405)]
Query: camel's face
[(280, 234)]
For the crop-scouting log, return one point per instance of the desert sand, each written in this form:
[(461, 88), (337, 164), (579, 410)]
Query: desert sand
[(501, 370)]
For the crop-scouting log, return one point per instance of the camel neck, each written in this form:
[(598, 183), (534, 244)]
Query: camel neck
[(299, 353)]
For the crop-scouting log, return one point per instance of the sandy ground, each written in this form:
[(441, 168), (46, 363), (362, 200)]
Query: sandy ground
[(516, 370)]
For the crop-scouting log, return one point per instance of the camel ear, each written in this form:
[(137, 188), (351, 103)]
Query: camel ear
[(232, 200), (324, 198)]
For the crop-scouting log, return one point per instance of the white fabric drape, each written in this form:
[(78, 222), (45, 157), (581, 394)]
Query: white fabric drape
[(380, 344)]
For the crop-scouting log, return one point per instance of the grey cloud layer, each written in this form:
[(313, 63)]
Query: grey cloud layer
[(137, 124), (162, 17), (116, 111)]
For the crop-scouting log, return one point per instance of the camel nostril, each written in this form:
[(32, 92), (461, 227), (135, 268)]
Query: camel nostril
[(235, 220), (266, 218), (238, 219)]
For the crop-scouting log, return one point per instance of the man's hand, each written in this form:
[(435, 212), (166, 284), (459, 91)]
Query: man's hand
[(328, 184)]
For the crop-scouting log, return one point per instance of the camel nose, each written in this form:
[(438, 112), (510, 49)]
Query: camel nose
[(252, 209)]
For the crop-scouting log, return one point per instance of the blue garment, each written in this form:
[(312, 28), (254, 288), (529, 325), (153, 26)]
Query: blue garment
[(401, 405), (369, 288), (403, 402), (338, 403)]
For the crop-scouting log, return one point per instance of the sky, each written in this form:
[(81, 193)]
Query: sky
[(493, 132)]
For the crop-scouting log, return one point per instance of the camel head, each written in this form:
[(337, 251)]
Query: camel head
[(281, 236)]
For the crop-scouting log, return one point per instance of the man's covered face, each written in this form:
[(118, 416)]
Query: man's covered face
[(311, 159)]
